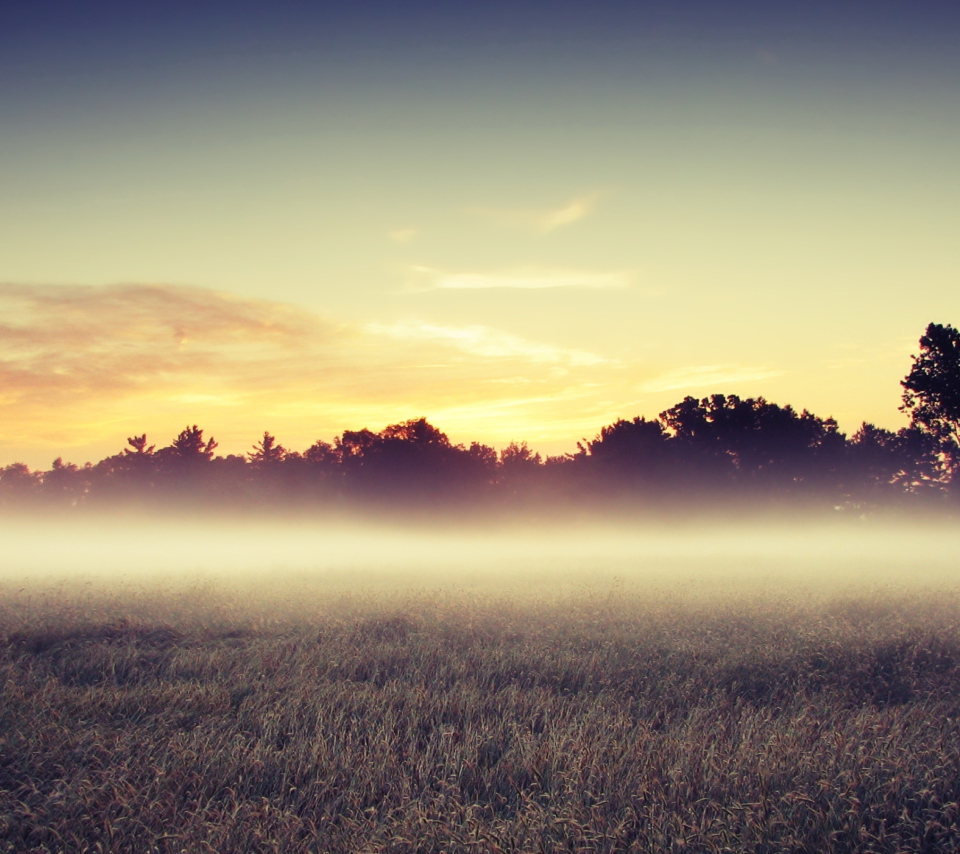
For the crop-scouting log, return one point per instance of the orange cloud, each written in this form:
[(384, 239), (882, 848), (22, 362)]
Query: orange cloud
[(58, 343), (83, 367)]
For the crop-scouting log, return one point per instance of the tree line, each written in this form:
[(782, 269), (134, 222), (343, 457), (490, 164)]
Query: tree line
[(717, 446)]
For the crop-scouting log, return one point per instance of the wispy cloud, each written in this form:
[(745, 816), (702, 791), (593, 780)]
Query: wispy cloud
[(82, 340), (486, 342), (706, 377), (539, 220), (87, 365), (524, 278), (81, 316), (403, 235)]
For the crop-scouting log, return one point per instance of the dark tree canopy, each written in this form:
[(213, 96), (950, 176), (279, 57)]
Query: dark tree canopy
[(267, 451), (139, 447), (628, 452), (629, 443), (190, 446), (931, 394), (715, 448), (751, 440), (931, 391), (417, 432)]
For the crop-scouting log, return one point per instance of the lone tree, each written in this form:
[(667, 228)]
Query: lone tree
[(190, 446), (138, 447), (931, 392), (267, 452)]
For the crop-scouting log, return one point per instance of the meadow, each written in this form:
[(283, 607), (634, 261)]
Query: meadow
[(193, 721), (762, 690)]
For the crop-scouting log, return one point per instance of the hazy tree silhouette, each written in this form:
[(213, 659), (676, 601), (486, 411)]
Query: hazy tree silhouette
[(267, 452), (322, 454), (883, 464), (417, 432), (18, 484), (753, 442), (129, 474), (517, 457), (138, 447), (519, 470), (633, 452), (697, 456), (354, 444), (413, 458), (483, 460), (189, 446), (183, 468), (931, 392), (719, 444), (65, 482), (405, 461)]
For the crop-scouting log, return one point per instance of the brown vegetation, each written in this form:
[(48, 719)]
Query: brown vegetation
[(441, 723)]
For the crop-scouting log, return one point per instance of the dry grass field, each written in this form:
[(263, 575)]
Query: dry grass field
[(460, 722)]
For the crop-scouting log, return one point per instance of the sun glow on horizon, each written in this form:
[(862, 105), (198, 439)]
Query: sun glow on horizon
[(86, 367), (520, 225)]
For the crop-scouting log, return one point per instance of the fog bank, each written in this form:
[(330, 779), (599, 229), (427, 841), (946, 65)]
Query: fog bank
[(850, 556)]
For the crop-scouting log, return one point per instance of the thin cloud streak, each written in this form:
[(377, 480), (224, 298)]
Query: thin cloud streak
[(539, 220), (701, 376), (83, 341), (523, 278), (82, 365), (403, 235), (486, 342)]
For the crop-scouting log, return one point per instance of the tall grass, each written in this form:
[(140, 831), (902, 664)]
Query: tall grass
[(456, 723)]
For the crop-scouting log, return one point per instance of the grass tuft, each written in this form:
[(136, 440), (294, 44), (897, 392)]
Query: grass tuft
[(441, 724)]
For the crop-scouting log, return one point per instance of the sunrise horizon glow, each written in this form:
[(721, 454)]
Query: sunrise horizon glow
[(520, 224)]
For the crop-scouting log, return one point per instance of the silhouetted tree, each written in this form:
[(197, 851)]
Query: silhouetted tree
[(417, 432), (228, 480), (931, 393), (128, 474), (66, 482), (750, 445), (267, 452), (518, 470), (628, 453), (752, 442), (189, 446), (321, 453), (183, 467), (405, 460), (883, 465), (484, 461), (517, 457), (354, 444), (696, 454), (138, 447), (18, 484)]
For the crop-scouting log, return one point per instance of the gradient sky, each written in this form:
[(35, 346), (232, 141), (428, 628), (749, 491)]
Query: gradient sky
[(522, 221)]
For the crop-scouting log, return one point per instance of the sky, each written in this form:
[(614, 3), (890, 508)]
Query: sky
[(522, 221)]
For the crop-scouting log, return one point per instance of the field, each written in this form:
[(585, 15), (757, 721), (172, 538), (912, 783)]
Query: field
[(462, 720)]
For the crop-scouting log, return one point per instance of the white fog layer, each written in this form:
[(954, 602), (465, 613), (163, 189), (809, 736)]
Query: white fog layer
[(852, 557)]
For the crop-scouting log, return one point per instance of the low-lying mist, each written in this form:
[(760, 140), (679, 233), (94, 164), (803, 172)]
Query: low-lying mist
[(283, 567), (218, 685)]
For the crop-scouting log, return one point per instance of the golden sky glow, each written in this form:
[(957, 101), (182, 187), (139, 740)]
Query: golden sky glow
[(550, 226), (83, 361)]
